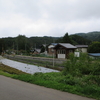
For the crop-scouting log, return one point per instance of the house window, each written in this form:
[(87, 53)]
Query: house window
[(61, 51), (70, 51)]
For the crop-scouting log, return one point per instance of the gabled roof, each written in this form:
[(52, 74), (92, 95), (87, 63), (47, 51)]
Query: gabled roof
[(54, 44), (66, 45), (81, 46), (37, 50)]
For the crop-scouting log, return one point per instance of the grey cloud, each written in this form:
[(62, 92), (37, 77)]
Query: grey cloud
[(28, 8), (48, 17)]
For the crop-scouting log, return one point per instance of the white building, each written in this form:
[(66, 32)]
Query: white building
[(82, 48)]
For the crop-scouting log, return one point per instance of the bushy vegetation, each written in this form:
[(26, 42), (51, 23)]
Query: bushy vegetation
[(84, 65), (94, 47), (80, 76)]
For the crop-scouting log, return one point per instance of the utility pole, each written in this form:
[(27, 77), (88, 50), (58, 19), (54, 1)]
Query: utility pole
[(17, 48), (13, 46), (35, 45), (25, 48), (45, 48), (53, 57)]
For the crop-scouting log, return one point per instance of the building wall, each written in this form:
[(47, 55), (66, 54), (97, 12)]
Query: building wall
[(63, 53), (51, 50), (61, 56), (83, 50)]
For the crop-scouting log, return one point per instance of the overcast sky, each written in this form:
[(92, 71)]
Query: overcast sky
[(48, 17)]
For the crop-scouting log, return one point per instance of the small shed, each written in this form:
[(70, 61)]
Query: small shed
[(50, 48), (82, 48), (63, 50), (35, 51)]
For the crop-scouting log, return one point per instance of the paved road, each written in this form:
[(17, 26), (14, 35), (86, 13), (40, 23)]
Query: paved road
[(11, 89)]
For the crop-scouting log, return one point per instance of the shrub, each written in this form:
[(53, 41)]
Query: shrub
[(81, 66)]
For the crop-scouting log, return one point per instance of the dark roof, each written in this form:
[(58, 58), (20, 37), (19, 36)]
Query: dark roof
[(37, 50), (66, 45), (54, 44), (94, 54), (81, 46)]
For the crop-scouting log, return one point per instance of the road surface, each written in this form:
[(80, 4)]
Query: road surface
[(11, 89)]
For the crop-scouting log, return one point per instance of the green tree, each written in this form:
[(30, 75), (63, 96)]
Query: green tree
[(42, 49), (21, 41), (9, 42), (1, 46), (94, 47), (66, 39)]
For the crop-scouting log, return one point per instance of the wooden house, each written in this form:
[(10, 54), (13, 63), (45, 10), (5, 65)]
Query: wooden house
[(50, 49), (62, 50), (35, 51)]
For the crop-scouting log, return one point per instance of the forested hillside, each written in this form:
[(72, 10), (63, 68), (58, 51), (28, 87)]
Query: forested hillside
[(93, 36), (79, 40), (73, 39)]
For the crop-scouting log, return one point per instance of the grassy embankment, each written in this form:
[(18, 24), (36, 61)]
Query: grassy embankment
[(80, 76)]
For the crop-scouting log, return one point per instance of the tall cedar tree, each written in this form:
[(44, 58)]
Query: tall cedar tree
[(1, 45), (42, 49), (66, 39)]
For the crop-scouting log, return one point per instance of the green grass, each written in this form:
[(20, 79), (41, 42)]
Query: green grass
[(10, 70), (5, 74)]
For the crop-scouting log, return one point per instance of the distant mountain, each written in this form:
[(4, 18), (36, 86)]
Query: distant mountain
[(76, 39), (93, 36)]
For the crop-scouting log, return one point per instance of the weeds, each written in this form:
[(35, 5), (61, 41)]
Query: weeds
[(81, 66), (10, 70)]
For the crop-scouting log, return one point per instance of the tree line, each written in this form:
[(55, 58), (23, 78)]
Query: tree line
[(24, 44)]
